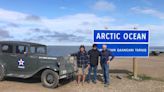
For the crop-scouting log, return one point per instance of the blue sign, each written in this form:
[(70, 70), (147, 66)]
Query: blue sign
[(128, 50), (121, 36), (124, 43)]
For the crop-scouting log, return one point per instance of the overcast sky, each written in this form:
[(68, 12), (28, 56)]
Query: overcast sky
[(71, 22)]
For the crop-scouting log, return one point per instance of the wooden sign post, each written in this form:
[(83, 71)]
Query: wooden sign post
[(135, 69)]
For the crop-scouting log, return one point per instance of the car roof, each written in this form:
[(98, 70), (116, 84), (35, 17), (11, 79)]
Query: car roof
[(21, 43)]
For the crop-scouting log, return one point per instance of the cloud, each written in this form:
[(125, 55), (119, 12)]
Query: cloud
[(39, 30), (148, 11), (156, 31), (32, 18), (102, 5), (53, 37), (83, 21), (4, 34), (11, 25), (73, 22), (10, 16), (63, 23), (72, 29), (18, 18), (57, 37), (65, 37)]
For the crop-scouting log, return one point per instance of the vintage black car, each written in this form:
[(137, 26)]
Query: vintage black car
[(25, 60)]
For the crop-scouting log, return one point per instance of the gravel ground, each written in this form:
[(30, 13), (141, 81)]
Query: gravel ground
[(153, 67)]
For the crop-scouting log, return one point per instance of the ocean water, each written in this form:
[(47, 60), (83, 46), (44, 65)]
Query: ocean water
[(66, 50)]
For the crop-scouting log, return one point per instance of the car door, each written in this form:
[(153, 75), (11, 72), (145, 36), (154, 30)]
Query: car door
[(32, 59), (17, 60), (27, 62), (8, 57)]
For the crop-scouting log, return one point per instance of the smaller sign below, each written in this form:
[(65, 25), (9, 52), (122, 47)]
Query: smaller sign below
[(128, 50)]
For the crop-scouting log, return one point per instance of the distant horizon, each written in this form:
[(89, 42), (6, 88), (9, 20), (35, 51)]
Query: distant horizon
[(91, 45), (73, 44)]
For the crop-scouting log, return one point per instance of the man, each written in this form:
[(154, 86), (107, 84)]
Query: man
[(94, 56), (105, 57), (82, 63)]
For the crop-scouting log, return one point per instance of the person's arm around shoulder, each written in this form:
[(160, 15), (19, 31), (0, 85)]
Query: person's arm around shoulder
[(99, 55), (89, 53), (74, 54)]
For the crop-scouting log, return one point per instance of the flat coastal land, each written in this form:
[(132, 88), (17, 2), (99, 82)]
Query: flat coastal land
[(151, 70)]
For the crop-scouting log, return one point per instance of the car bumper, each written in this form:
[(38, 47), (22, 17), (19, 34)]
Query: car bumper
[(68, 75)]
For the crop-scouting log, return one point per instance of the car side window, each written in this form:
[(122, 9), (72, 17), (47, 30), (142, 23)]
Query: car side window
[(41, 50), (7, 48), (21, 49), (32, 49)]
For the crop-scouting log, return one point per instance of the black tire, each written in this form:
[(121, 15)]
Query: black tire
[(2, 73), (50, 79)]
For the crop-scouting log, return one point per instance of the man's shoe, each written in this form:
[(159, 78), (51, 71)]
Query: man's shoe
[(83, 83), (94, 82), (106, 85), (88, 81)]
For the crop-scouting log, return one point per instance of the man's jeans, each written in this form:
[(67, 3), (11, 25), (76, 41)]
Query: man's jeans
[(95, 72), (105, 69)]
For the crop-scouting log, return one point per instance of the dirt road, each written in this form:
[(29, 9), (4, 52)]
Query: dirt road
[(153, 67)]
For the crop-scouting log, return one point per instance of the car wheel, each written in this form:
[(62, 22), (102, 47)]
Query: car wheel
[(50, 79), (2, 73)]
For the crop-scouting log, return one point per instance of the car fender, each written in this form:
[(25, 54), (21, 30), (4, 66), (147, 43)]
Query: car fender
[(41, 69), (52, 67), (3, 67)]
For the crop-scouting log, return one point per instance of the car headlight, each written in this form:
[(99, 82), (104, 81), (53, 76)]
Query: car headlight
[(64, 71), (58, 63)]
